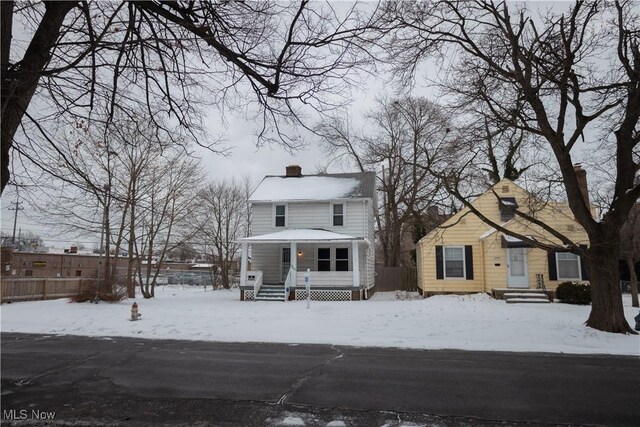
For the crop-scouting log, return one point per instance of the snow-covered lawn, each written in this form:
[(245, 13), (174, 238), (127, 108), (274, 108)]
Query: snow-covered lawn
[(472, 322)]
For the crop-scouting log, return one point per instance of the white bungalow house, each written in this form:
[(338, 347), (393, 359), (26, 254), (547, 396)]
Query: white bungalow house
[(319, 226)]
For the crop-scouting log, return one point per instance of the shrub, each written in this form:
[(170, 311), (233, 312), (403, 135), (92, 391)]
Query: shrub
[(574, 293), (119, 293)]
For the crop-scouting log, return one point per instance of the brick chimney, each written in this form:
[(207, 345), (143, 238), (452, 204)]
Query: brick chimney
[(581, 176), (294, 171)]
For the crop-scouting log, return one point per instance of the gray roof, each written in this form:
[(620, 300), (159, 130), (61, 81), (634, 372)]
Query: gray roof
[(357, 185)]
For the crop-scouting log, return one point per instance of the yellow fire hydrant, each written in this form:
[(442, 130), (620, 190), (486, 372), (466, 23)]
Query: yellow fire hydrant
[(134, 312)]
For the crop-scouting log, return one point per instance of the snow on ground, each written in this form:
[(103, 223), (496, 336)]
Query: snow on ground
[(389, 319)]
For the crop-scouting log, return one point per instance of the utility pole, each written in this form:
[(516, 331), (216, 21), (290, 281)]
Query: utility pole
[(15, 219)]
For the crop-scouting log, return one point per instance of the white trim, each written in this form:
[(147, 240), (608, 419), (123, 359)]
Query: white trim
[(558, 267), (525, 259), (286, 215), (300, 235), (444, 263), (355, 264)]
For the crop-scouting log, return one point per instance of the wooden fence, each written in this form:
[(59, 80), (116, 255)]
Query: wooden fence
[(40, 288), (396, 279)]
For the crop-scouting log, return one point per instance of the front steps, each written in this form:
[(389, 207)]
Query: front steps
[(520, 296), (270, 293)]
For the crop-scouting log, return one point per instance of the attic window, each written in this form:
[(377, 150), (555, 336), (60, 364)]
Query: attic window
[(507, 205), (505, 188)]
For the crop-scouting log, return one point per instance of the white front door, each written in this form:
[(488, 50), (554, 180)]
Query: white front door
[(517, 269), (285, 263)]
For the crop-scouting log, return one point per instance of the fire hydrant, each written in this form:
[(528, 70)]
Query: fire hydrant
[(134, 312)]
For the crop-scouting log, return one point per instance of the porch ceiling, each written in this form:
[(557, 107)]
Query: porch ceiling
[(301, 235)]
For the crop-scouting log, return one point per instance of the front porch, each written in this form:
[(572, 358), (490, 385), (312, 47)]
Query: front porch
[(336, 266)]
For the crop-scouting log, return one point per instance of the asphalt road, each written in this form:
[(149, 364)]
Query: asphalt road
[(124, 381)]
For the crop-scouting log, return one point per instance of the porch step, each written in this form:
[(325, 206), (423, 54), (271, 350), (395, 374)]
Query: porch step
[(525, 295), (270, 293), (527, 300), (533, 296), (519, 294)]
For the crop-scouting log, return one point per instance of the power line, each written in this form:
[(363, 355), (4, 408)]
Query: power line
[(15, 218)]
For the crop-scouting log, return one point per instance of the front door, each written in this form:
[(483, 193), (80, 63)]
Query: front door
[(285, 263), (517, 271)]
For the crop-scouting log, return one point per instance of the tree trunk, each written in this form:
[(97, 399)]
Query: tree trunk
[(633, 281), (131, 288), (224, 272), (607, 313), (19, 84)]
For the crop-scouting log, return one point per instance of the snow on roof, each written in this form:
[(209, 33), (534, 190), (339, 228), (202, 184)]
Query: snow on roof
[(300, 235), (315, 187), (512, 239), (487, 233)]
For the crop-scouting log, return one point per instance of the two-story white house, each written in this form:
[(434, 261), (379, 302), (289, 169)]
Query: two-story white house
[(315, 226)]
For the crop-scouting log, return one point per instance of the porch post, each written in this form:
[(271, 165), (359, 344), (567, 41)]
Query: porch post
[(243, 264), (294, 258), (355, 263)]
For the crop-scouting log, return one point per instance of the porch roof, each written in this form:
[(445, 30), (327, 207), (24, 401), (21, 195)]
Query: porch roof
[(308, 235)]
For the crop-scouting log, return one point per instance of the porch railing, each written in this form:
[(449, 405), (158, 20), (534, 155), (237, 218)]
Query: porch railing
[(257, 283), (328, 278), (289, 282)]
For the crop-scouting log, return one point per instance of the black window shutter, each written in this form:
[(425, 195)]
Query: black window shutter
[(551, 260), (468, 262), (583, 265), (439, 261)]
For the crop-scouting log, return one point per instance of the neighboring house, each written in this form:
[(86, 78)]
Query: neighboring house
[(465, 255), (65, 263), (320, 226)]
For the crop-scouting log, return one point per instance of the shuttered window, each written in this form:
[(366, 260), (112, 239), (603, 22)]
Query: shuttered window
[(568, 266), (453, 262)]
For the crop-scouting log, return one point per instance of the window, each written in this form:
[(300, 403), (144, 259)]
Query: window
[(507, 207), (454, 262), (338, 215), (324, 259), (281, 215), (78, 273), (568, 265), (342, 259), (28, 273)]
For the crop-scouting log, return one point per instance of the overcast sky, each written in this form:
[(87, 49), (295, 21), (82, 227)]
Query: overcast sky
[(245, 159)]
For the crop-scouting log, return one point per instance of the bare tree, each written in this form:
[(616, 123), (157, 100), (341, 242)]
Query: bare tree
[(407, 135), (562, 74), (282, 58), (163, 219), (225, 207)]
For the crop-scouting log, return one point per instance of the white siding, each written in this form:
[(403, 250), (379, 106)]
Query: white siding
[(327, 278), (359, 221), (266, 258), (313, 215)]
